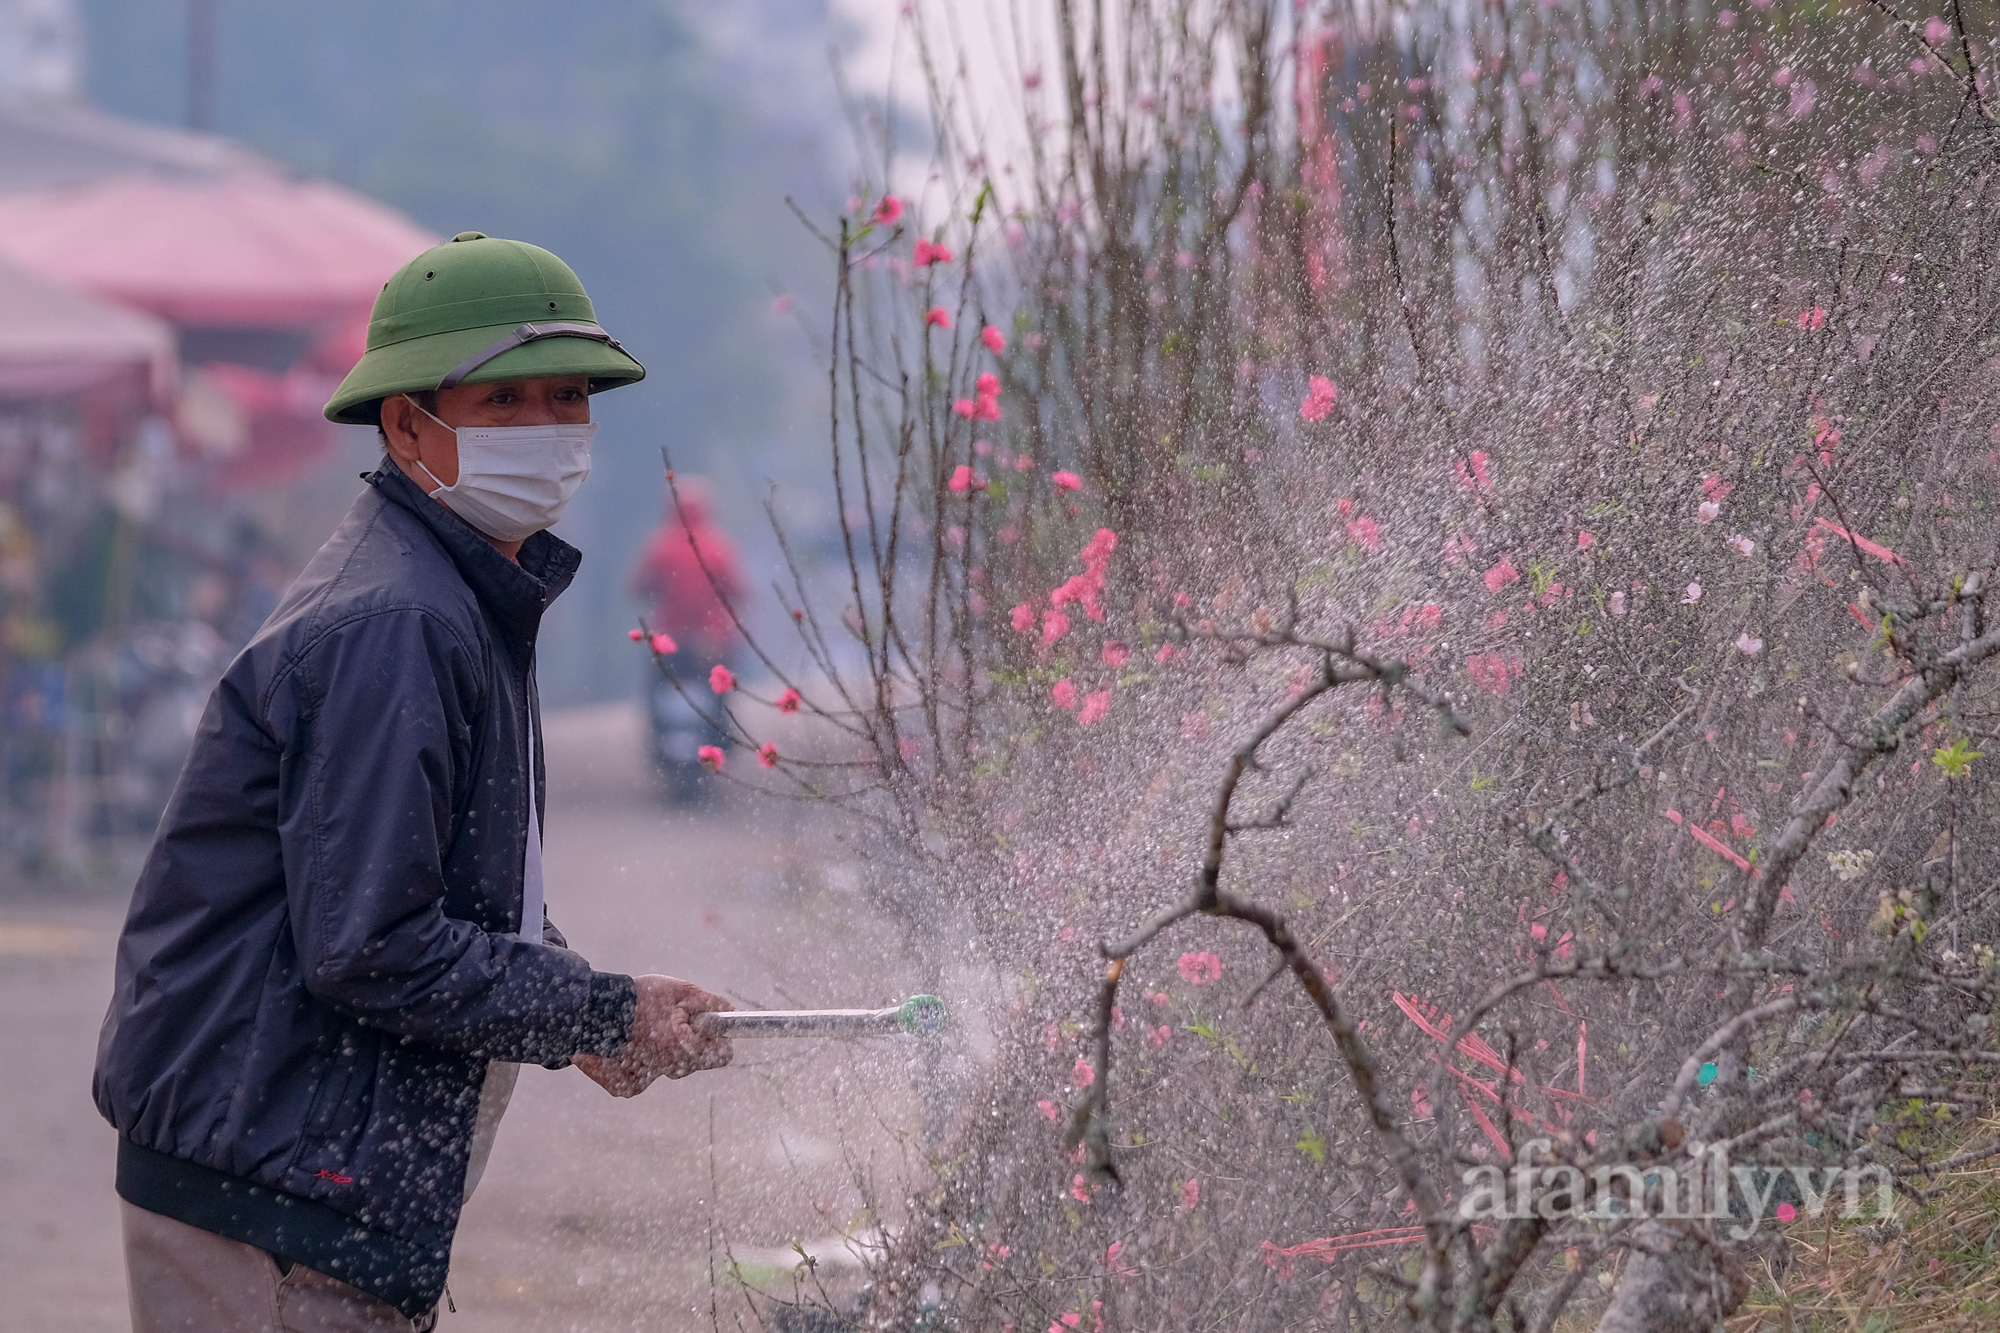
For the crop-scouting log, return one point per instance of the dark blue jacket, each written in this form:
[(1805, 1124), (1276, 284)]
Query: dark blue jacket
[(320, 957)]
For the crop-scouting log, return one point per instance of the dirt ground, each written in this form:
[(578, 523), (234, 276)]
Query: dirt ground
[(595, 1214)]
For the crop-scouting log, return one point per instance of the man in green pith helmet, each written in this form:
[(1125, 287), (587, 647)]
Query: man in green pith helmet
[(337, 955)]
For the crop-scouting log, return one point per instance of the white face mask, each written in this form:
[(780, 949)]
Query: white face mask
[(513, 481)]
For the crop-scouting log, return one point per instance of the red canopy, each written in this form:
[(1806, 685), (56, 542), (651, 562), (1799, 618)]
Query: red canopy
[(249, 249), (55, 342)]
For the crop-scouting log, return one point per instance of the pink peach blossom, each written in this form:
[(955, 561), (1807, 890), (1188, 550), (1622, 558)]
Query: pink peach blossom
[(1366, 534), (1095, 706), (996, 341), (788, 702), (1064, 694), (1319, 399), (767, 755), (664, 643), (1116, 654), (987, 385), (1198, 969), (939, 316), (636, 635), (711, 757), (1472, 472), (889, 211), (1067, 481), (1023, 617), (1585, 540), (721, 679), (1054, 625), (1501, 574), (1489, 672), (1048, 1109), (1081, 1074)]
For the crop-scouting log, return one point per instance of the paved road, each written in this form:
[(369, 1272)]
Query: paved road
[(595, 1213)]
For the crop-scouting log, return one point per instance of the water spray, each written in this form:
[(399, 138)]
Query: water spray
[(919, 1016)]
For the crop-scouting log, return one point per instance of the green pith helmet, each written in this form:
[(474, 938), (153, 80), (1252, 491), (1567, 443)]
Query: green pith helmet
[(474, 310)]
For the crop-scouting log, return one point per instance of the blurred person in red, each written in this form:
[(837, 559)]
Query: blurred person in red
[(690, 578)]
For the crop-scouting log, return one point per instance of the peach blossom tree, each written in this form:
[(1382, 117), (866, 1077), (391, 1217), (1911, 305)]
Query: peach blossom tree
[(1413, 588)]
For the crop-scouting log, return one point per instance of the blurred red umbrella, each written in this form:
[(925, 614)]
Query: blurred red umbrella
[(250, 249), (57, 343)]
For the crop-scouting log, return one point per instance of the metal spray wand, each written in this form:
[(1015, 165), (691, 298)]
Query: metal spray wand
[(920, 1016)]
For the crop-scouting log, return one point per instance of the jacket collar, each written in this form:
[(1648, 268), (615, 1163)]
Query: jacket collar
[(516, 595)]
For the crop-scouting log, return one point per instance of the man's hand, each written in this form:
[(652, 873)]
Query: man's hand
[(664, 1039)]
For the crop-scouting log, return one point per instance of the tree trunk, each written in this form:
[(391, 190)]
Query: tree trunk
[(1675, 1285)]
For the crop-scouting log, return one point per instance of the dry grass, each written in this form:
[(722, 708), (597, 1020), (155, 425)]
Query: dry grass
[(1934, 1267)]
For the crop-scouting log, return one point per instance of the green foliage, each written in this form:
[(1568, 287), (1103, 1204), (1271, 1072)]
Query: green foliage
[(1956, 759)]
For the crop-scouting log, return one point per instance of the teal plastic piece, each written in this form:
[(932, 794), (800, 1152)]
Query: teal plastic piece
[(922, 1016)]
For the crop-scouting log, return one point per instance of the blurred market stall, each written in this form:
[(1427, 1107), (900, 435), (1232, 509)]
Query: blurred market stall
[(174, 309), (83, 386)]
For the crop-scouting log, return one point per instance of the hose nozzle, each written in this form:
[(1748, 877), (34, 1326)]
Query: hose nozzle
[(919, 1016)]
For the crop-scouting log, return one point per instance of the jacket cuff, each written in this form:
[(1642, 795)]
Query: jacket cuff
[(608, 1014)]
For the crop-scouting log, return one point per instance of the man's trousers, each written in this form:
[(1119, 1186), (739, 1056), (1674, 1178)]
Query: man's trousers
[(186, 1280)]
